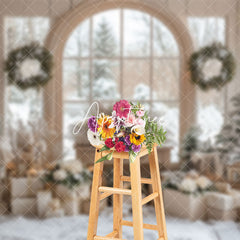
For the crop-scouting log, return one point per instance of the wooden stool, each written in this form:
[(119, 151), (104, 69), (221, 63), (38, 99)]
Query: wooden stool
[(99, 193)]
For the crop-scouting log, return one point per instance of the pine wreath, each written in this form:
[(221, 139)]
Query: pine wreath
[(29, 66), (205, 61)]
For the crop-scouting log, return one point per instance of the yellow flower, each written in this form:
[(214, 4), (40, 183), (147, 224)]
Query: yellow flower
[(137, 139), (104, 123)]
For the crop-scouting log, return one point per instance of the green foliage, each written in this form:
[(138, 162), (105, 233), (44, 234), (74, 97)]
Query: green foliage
[(132, 156), (154, 133), (190, 144), (106, 157), (228, 140)]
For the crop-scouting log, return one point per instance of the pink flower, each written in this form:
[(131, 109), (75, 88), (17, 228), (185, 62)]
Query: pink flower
[(140, 122), (140, 113), (122, 108), (130, 120)]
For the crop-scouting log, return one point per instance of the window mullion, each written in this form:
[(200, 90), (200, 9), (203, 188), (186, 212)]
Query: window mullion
[(91, 59), (151, 63), (121, 51)]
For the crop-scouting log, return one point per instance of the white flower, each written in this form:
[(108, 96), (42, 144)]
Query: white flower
[(138, 129), (29, 68), (94, 138), (203, 182), (188, 185), (73, 167), (60, 175)]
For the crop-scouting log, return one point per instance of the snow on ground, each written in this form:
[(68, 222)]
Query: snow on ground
[(75, 228)]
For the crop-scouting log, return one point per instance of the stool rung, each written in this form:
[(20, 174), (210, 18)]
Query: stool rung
[(143, 180), (149, 198), (145, 225), (112, 234), (115, 190), (105, 195), (106, 238)]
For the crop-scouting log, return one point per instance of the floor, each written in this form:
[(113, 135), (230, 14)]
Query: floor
[(75, 228)]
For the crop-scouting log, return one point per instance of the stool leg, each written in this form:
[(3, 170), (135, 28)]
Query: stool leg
[(158, 202), (117, 198), (95, 197), (136, 199)]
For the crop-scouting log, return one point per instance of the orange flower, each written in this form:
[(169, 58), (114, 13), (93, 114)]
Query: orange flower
[(105, 131)]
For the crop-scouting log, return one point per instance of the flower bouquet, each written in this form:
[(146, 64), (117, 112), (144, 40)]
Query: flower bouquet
[(126, 130)]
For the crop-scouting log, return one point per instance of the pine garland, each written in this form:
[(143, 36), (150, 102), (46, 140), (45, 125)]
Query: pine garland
[(199, 58), (32, 51)]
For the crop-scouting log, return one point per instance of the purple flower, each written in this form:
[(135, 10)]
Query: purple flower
[(127, 140), (126, 148), (92, 124), (136, 148)]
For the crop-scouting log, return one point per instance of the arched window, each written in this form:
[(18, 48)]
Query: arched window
[(122, 53)]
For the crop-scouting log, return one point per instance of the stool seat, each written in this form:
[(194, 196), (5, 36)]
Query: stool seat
[(100, 192)]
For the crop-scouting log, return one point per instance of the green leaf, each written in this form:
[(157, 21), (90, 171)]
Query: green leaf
[(104, 148), (132, 156), (106, 157)]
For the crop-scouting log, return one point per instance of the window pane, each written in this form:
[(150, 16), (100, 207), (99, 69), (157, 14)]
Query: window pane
[(136, 80), (23, 30), (168, 114), (136, 33), (106, 34), (73, 113), (78, 43), (105, 79), (163, 40), (76, 79), (210, 112), (166, 79), (23, 104), (206, 30)]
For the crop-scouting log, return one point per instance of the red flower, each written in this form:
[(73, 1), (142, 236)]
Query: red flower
[(109, 143), (120, 147)]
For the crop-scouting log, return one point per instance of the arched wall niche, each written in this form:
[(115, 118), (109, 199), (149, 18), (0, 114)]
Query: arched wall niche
[(61, 30)]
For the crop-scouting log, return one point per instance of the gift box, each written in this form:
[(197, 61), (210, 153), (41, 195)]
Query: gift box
[(2, 172), (3, 208), (62, 192), (25, 187), (83, 191), (24, 206), (221, 206), (70, 205), (84, 205), (43, 200), (54, 213), (183, 205), (220, 214)]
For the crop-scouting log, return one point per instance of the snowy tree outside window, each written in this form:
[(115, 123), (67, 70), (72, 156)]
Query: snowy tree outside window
[(210, 104)]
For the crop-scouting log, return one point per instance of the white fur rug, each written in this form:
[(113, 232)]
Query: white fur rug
[(75, 228)]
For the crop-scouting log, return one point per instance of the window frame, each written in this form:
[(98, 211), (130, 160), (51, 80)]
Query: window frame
[(121, 58)]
